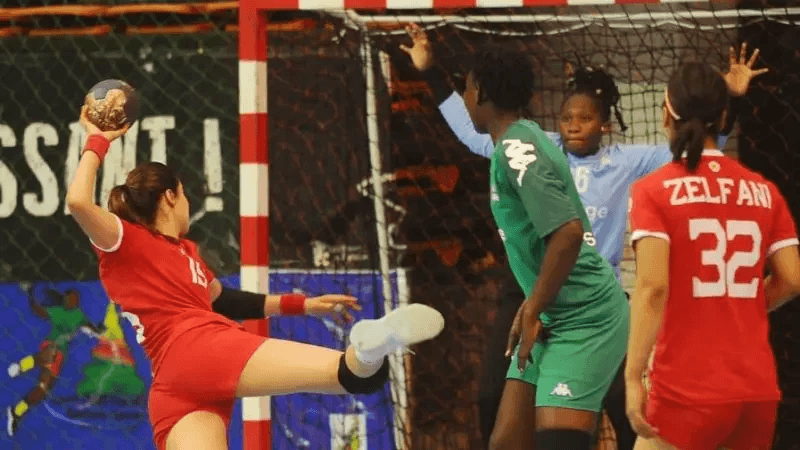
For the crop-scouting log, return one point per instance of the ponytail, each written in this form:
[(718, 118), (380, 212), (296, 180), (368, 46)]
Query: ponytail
[(118, 204), (696, 99), (689, 142)]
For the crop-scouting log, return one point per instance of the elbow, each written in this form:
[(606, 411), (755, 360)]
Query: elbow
[(75, 203), (653, 295)]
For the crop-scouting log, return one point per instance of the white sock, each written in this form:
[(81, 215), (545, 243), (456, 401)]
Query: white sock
[(373, 358)]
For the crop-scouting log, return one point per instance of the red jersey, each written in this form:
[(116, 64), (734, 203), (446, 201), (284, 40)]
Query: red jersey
[(722, 222), (161, 285)]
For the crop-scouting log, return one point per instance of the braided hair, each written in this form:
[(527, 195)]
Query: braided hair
[(505, 78), (599, 86)]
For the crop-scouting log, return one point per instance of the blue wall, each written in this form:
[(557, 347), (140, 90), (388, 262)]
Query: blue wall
[(99, 402)]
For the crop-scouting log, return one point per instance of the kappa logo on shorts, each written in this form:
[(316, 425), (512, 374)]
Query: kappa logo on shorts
[(562, 390)]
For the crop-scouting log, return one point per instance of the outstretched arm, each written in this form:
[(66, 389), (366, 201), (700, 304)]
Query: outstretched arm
[(455, 114), (102, 227), (36, 307), (241, 305), (451, 105)]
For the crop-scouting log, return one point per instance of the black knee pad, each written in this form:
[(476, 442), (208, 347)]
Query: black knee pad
[(559, 439), (357, 385)]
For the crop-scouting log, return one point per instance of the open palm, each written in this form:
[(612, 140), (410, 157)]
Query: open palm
[(420, 52), (740, 71)]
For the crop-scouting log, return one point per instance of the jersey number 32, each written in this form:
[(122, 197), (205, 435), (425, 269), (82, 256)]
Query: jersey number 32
[(725, 284)]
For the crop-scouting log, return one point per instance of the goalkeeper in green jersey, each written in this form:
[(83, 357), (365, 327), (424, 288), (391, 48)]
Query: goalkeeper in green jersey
[(555, 386)]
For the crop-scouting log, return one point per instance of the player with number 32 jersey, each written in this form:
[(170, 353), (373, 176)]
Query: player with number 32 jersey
[(703, 228), (722, 222)]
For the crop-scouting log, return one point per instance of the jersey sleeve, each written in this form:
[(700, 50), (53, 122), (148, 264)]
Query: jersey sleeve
[(457, 117), (784, 232), (126, 244), (646, 158), (645, 215), (542, 191)]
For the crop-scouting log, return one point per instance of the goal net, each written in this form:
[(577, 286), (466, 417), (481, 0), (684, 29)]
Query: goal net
[(439, 191), (370, 193)]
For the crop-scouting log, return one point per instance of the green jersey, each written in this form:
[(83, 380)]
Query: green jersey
[(532, 195), (65, 322)]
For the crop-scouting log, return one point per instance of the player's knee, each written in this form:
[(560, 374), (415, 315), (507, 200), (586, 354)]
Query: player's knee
[(357, 385), (562, 439)]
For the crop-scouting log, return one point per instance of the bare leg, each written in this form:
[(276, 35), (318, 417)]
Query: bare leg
[(198, 430), (282, 367), (548, 417), (516, 417)]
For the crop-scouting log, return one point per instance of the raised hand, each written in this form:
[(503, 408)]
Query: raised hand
[(332, 305), (421, 52), (740, 71), (94, 129)]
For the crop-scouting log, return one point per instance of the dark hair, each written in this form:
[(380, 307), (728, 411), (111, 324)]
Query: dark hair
[(600, 87), (698, 95), (137, 200), (504, 78)]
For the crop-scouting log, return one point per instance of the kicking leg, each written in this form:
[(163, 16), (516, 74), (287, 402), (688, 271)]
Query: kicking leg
[(283, 367)]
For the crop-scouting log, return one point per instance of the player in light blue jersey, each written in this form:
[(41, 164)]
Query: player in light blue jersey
[(602, 173)]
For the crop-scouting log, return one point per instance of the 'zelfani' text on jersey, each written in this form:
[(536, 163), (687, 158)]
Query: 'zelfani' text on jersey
[(532, 195)]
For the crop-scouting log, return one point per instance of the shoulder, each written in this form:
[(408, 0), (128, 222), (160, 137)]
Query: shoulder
[(637, 152), (191, 246), (654, 179)]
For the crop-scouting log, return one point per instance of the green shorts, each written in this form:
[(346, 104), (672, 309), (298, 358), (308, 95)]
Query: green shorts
[(574, 368)]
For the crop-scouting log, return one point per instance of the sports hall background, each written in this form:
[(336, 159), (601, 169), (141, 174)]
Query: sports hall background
[(184, 63)]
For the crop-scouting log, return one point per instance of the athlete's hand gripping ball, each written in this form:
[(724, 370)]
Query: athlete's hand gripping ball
[(91, 128), (112, 105), (332, 305), (527, 326)]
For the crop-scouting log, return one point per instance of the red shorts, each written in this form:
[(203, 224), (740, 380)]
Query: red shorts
[(200, 372), (734, 426)]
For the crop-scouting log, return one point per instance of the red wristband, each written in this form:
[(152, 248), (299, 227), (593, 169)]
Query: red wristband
[(97, 144), (293, 304)]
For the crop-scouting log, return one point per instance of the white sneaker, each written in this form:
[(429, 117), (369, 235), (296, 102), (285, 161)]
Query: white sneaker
[(13, 370), (373, 339)]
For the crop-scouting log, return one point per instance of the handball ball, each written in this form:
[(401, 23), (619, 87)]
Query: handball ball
[(112, 104)]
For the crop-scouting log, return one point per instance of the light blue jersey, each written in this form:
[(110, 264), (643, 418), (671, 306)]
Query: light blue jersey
[(603, 180)]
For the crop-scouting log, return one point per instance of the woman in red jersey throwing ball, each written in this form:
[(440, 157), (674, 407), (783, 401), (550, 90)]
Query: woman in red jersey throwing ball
[(703, 229), (201, 359)]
